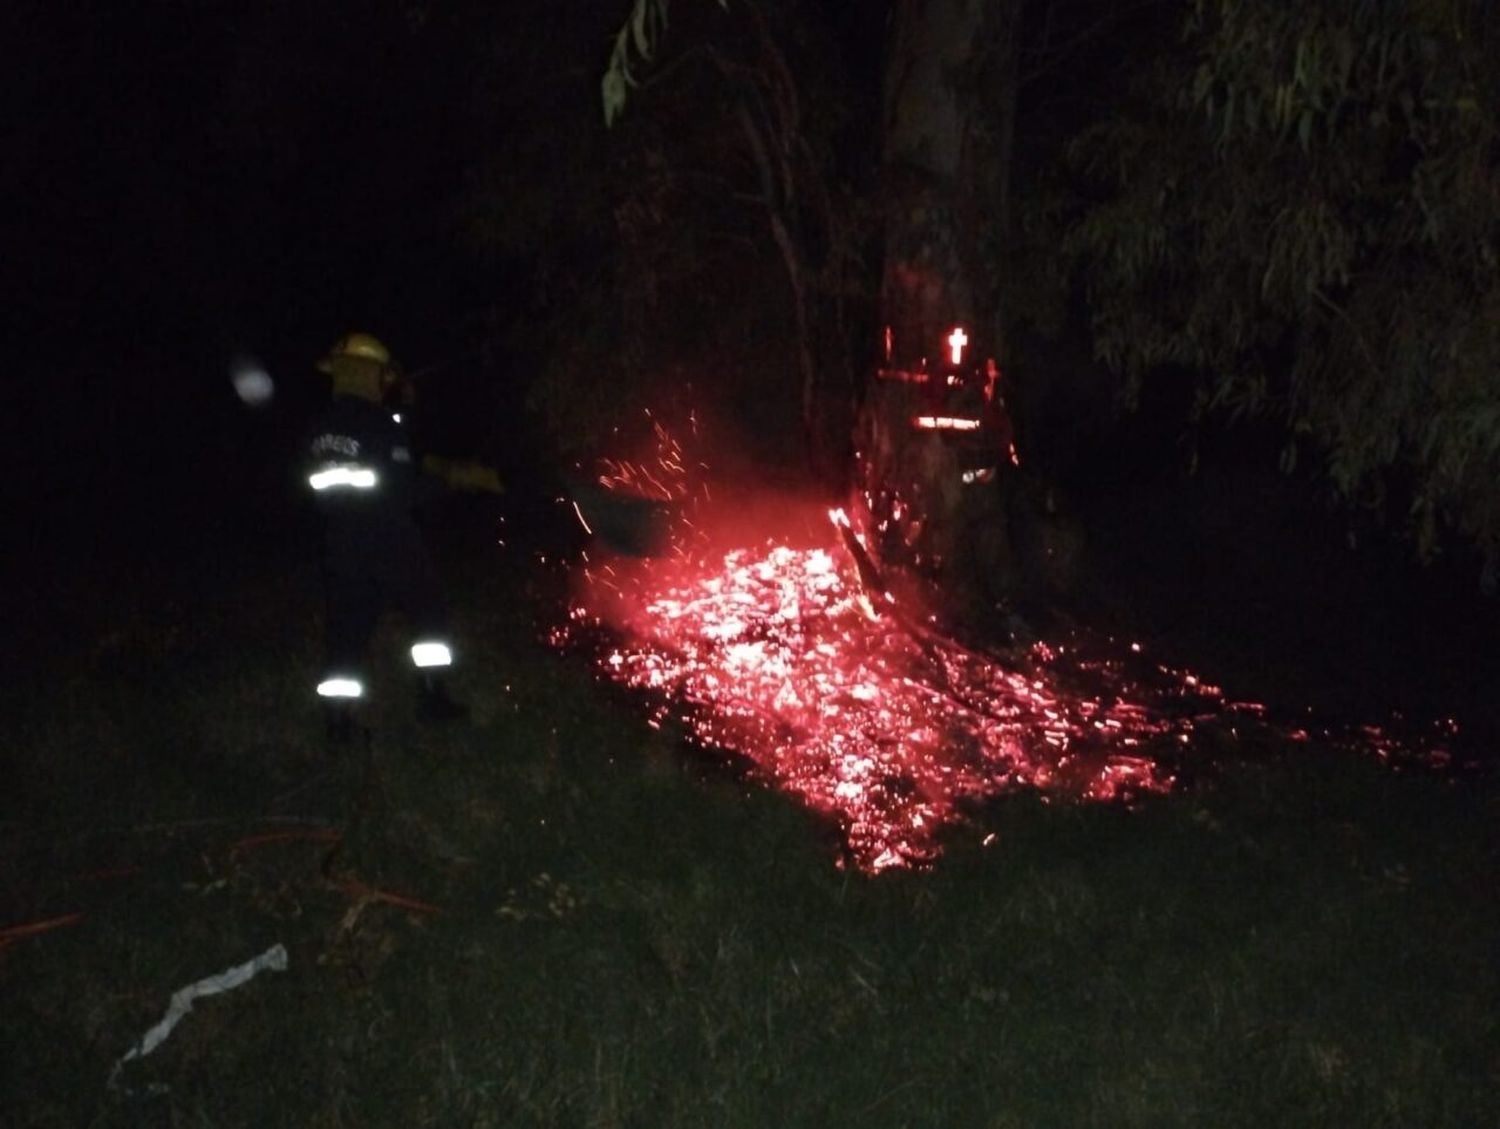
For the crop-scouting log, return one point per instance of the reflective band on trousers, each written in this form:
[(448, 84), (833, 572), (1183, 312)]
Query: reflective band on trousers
[(341, 688), (342, 474), (431, 654)]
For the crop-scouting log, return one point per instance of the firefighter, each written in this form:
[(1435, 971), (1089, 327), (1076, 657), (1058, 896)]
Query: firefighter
[(374, 559)]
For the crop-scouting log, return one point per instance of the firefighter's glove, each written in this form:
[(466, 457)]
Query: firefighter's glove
[(476, 477), (463, 475)]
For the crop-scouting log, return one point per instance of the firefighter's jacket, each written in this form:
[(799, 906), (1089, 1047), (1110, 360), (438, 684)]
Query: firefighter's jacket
[(365, 482)]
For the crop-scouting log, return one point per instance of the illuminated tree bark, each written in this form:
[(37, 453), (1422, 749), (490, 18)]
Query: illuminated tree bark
[(949, 111)]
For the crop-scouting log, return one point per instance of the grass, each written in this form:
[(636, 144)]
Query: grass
[(628, 938)]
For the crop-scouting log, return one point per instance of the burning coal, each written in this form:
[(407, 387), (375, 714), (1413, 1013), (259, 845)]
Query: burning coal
[(788, 652)]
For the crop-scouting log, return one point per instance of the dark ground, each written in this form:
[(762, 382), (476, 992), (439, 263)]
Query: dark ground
[(623, 939)]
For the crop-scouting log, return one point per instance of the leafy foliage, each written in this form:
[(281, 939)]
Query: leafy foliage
[(636, 41), (1301, 204)]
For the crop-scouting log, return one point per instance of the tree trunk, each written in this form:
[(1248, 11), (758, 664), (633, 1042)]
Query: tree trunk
[(937, 494)]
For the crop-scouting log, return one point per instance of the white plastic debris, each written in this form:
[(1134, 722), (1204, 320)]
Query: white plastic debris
[(273, 958)]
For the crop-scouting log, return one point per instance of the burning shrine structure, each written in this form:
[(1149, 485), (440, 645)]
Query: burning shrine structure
[(934, 461)]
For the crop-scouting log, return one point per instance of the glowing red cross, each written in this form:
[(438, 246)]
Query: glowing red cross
[(956, 342)]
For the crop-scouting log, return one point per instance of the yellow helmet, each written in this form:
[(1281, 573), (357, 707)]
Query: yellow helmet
[(361, 366), (361, 345)]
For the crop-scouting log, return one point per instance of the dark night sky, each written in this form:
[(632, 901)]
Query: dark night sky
[(191, 177), (183, 181)]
